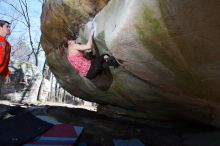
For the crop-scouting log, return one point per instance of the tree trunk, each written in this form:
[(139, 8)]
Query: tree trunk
[(64, 96), (51, 87), (40, 88)]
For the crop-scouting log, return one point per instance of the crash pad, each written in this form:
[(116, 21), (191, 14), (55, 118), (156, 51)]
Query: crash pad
[(21, 128), (60, 134), (127, 142)]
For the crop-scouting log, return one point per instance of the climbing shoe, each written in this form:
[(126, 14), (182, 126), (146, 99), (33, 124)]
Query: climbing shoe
[(111, 61)]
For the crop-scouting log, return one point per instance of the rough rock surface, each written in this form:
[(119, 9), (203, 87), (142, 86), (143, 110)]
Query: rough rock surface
[(168, 52)]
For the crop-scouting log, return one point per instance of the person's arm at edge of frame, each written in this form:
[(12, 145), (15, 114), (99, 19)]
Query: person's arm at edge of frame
[(7, 75), (2, 49)]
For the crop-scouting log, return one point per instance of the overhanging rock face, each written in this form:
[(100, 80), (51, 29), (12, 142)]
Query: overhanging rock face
[(168, 50)]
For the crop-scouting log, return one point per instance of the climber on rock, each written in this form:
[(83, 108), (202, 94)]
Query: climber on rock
[(87, 68)]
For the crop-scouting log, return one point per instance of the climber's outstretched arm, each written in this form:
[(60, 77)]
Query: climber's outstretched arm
[(87, 46)]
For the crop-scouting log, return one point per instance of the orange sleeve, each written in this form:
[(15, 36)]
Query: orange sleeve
[(2, 55)]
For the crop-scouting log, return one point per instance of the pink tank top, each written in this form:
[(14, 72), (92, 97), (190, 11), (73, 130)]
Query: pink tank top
[(80, 63)]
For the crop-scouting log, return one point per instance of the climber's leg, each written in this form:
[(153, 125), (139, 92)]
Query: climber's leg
[(100, 63), (96, 67)]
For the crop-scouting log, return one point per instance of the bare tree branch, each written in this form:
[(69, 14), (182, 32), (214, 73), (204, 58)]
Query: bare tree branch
[(22, 9), (13, 18), (23, 12), (15, 8)]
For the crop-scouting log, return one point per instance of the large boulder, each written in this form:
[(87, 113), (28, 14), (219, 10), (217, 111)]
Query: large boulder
[(168, 50)]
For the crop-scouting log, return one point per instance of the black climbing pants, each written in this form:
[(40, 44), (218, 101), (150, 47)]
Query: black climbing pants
[(96, 67)]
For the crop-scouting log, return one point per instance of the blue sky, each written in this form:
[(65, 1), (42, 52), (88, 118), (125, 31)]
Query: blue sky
[(19, 29)]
